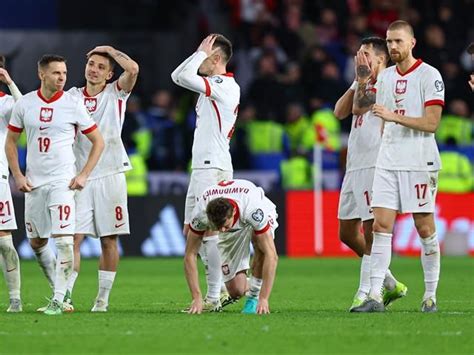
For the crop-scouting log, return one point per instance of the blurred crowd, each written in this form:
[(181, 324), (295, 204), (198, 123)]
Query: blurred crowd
[(293, 59)]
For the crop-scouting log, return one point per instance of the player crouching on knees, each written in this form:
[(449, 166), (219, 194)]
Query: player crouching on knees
[(237, 230)]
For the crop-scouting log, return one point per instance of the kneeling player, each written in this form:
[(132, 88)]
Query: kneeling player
[(241, 212)]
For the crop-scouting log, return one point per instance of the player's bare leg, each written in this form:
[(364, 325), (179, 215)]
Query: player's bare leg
[(430, 258), (108, 263), (11, 270), (349, 234)]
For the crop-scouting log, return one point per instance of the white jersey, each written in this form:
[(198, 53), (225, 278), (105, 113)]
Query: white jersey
[(50, 127), (408, 94), (6, 107), (216, 110), (107, 108), (253, 208), (364, 139)]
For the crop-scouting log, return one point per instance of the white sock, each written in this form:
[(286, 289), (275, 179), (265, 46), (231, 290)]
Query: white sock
[(64, 265), (106, 281), (390, 282), (430, 260), (72, 281), (212, 261), (11, 264), (364, 282), (379, 262), (254, 287), (47, 262)]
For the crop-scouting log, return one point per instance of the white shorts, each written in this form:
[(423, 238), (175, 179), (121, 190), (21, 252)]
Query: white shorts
[(234, 249), (356, 194), (50, 210), (405, 191), (102, 208), (7, 212), (200, 180)]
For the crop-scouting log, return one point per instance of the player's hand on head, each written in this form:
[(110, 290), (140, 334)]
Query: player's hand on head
[(196, 307), (101, 49), (5, 77), (206, 45), (263, 307), (471, 82)]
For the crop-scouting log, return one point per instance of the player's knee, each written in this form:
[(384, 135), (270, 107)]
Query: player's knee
[(109, 242), (236, 292), (424, 230), (381, 226), (38, 243)]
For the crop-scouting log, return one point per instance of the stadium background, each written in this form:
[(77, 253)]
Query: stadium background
[(293, 60)]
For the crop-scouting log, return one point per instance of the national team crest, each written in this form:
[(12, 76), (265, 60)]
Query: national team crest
[(90, 103), (401, 87), (46, 114)]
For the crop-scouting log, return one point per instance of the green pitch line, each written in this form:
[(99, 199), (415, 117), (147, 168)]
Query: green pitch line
[(309, 313)]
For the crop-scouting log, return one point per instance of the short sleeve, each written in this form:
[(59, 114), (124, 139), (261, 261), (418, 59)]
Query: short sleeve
[(84, 121), (433, 88), (6, 108), (199, 222), (118, 91), (16, 119)]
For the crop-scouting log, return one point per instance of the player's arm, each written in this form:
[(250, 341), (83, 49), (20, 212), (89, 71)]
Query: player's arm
[(429, 122), (5, 78), (343, 106), (129, 76), (175, 73), (270, 261), (95, 137), (188, 76), (11, 152), (471, 82), (193, 243)]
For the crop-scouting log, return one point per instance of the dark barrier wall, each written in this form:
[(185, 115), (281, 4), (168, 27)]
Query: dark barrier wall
[(156, 227)]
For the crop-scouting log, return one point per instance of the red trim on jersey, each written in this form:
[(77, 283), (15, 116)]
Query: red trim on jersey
[(195, 231), (218, 114), (374, 90), (261, 231), (208, 87), (412, 68), (90, 129), (2, 94), (434, 102), (237, 211), (15, 129), (57, 95), (120, 103), (86, 94), (228, 74)]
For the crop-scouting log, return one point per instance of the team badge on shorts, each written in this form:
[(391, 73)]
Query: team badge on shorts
[(225, 269), (90, 103), (258, 215), (46, 114)]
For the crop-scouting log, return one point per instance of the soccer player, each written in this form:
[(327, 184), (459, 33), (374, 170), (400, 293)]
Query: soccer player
[(205, 73), (50, 118), (102, 205), (10, 261), (410, 98), (363, 146), (242, 214)]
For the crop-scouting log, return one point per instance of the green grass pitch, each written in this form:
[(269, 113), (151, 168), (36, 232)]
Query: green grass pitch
[(309, 313)]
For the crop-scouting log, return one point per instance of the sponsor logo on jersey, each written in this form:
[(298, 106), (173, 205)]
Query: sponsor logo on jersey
[(46, 114), (90, 103), (401, 87)]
